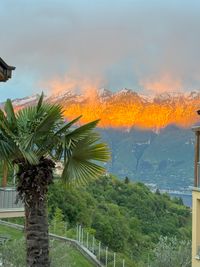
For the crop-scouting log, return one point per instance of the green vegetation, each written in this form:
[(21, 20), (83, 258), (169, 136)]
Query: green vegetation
[(169, 252), (61, 254), (141, 226), (127, 217), (31, 142), (10, 233)]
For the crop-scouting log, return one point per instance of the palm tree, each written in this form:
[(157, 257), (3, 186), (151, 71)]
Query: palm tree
[(5, 174), (31, 141)]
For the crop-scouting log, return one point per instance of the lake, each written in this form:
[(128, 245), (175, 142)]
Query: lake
[(187, 199)]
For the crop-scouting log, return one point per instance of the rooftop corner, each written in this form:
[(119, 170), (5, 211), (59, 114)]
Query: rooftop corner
[(5, 71)]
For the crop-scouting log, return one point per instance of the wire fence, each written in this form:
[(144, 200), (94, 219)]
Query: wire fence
[(105, 256)]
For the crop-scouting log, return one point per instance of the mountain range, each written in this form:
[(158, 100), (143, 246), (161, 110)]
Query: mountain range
[(160, 154)]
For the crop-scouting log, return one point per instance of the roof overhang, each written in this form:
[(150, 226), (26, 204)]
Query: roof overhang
[(5, 71)]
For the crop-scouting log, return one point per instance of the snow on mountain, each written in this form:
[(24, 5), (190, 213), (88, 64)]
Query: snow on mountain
[(193, 95), (25, 101), (64, 96), (125, 91), (169, 97), (104, 93)]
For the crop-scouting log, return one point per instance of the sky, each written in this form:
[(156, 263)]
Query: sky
[(150, 46)]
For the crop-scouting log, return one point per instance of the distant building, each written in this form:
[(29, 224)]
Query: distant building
[(196, 203), (5, 71)]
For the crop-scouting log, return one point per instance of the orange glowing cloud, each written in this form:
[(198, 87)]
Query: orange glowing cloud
[(164, 83), (76, 84)]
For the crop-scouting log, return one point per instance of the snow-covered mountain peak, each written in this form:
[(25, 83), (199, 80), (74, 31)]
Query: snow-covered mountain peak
[(25, 100), (125, 91)]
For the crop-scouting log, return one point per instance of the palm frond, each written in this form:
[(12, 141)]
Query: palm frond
[(6, 150), (30, 156), (66, 126), (10, 113), (40, 101), (82, 131), (54, 114), (81, 163), (89, 149), (80, 172)]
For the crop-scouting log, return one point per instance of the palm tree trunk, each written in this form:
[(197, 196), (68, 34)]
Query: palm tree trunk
[(37, 239), (32, 187)]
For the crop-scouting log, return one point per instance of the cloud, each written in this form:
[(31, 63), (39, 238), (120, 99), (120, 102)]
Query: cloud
[(134, 43)]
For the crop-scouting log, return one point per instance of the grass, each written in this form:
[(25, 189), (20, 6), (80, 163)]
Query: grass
[(62, 254), (11, 233)]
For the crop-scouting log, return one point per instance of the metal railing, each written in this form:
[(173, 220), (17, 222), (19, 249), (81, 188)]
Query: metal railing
[(8, 198)]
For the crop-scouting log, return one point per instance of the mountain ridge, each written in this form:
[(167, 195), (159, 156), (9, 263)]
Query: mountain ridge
[(160, 155), (106, 94)]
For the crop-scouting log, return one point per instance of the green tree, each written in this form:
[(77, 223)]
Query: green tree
[(126, 180), (58, 225), (32, 140), (170, 252)]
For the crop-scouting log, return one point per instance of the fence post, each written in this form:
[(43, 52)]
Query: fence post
[(123, 262), (106, 256), (114, 261), (65, 229), (77, 232), (93, 244), (87, 239), (82, 235), (148, 260), (99, 250), (54, 227)]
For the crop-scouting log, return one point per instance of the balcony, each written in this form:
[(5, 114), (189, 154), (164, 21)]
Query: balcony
[(8, 206)]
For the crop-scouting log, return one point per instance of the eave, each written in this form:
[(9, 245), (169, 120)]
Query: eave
[(5, 71)]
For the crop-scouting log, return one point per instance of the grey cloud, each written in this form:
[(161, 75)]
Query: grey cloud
[(94, 38)]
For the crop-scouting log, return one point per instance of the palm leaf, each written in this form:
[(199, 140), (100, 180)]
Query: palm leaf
[(82, 132), (66, 126), (6, 150), (10, 113), (80, 172), (54, 114), (40, 101), (80, 166), (88, 149)]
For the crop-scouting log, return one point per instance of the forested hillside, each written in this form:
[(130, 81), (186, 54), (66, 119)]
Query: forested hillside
[(125, 216), (164, 158)]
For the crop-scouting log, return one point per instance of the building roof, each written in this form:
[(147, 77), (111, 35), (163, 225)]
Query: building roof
[(5, 71), (196, 128)]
